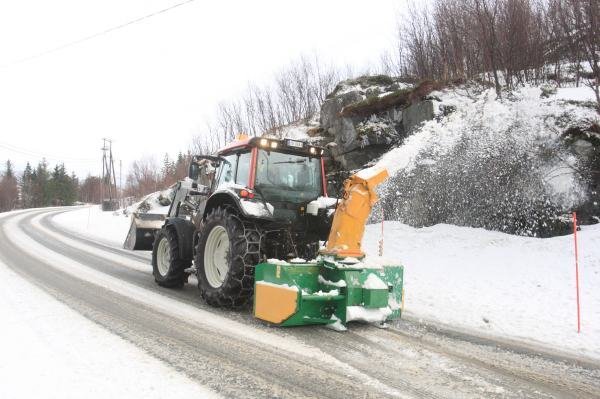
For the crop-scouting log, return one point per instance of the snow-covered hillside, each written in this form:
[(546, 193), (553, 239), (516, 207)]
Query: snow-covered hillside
[(486, 282), (503, 164)]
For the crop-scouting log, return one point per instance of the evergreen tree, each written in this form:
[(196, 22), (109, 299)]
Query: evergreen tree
[(40, 180), (61, 188), (27, 187), (9, 170), (9, 191), (168, 171)]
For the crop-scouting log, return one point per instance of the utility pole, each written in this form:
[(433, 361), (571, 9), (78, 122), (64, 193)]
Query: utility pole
[(121, 183), (109, 183)]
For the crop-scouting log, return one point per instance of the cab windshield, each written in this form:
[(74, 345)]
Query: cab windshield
[(287, 177)]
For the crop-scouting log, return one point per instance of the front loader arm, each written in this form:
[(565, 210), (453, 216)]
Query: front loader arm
[(351, 215)]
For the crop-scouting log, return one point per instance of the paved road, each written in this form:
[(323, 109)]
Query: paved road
[(241, 357)]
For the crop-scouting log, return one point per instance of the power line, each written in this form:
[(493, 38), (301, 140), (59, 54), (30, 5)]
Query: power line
[(35, 154), (93, 36)]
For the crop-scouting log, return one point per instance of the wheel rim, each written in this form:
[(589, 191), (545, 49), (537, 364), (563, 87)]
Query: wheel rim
[(163, 257), (216, 265)]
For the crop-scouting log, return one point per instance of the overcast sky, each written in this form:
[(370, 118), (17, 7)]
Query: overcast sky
[(152, 85)]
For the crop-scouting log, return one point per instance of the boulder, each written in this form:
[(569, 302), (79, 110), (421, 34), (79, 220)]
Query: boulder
[(366, 116), (415, 114)]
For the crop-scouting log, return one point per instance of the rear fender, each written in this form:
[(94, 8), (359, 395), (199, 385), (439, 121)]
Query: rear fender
[(223, 198)]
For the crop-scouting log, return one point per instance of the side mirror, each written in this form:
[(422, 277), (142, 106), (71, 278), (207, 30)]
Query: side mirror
[(193, 171)]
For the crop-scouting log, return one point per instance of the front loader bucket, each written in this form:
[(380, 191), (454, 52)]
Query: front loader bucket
[(326, 292), (142, 230)]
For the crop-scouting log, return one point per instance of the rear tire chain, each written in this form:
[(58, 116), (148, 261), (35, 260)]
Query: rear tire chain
[(244, 253)]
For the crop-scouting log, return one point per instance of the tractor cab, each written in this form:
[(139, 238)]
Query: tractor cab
[(264, 178)]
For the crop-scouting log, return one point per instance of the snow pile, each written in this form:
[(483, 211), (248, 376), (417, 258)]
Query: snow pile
[(155, 203), (301, 130), (498, 284), (257, 209), (359, 313), (324, 281), (373, 282), (486, 162), (336, 325)]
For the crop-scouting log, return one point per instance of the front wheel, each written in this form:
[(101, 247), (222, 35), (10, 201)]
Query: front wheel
[(226, 253), (167, 265)]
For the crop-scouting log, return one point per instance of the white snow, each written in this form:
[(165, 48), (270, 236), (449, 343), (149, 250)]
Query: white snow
[(369, 173), (151, 203), (359, 313), (50, 351), (92, 222), (324, 281), (323, 293), (336, 325), (373, 282), (299, 130), (326, 202), (498, 284), (575, 93), (282, 286), (257, 209), (369, 262), (277, 262)]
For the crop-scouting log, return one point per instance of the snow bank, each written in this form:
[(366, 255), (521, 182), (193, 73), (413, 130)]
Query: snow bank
[(92, 222), (499, 284)]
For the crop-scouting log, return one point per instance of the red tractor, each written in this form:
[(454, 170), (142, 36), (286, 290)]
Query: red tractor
[(254, 200)]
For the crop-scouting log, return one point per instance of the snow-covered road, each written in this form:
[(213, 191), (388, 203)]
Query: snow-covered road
[(199, 350)]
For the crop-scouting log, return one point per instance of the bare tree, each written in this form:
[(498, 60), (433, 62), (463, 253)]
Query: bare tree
[(143, 178), (295, 93)]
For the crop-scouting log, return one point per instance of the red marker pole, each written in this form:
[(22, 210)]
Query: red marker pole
[(576, 272)]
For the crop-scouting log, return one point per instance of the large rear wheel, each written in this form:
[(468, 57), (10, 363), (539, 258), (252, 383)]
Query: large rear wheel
[(228, 249), (167, 265)]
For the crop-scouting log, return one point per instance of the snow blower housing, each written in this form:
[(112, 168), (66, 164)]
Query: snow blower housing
[(248, 216)]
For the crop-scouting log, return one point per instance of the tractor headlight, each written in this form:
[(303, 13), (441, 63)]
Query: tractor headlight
[(264, 142)]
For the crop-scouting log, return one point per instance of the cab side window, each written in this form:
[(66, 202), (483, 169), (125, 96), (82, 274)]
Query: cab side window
[(243, 169), (227, 171)]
